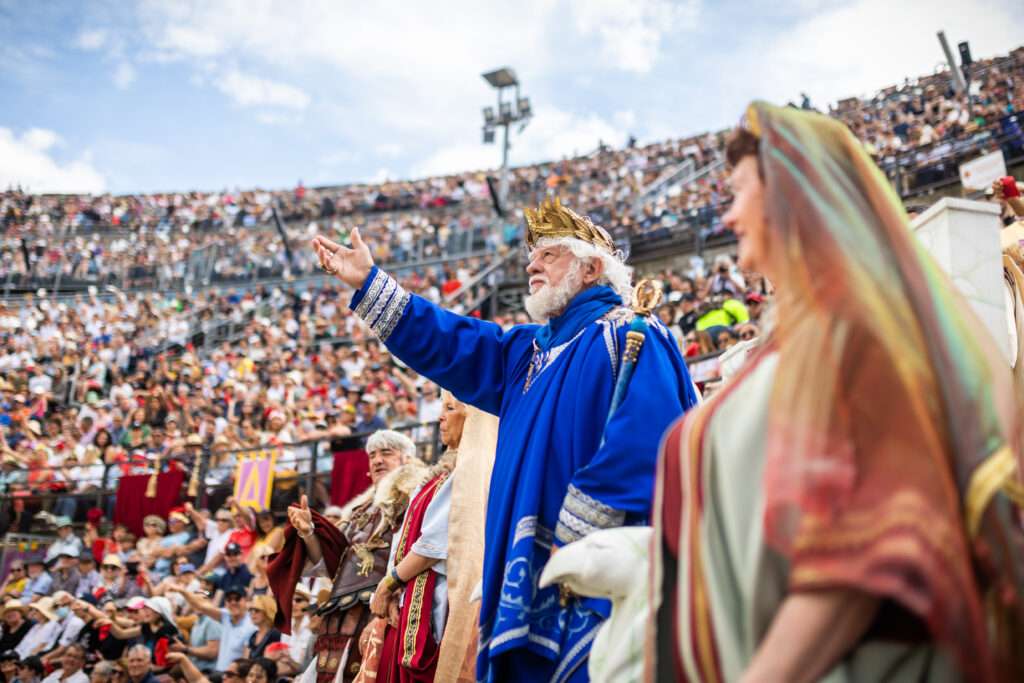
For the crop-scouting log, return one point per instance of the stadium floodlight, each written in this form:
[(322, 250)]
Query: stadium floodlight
[(515, 109), (502, 78)]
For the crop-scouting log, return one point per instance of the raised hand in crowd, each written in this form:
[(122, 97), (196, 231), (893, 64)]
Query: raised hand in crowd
[(188, 669)]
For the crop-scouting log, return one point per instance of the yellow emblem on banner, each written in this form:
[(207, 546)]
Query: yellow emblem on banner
[(254, 479)]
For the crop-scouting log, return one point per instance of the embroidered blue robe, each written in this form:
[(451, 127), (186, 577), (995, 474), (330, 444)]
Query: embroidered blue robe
[(554, 481)]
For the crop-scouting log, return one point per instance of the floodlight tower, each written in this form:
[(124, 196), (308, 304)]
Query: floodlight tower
[(516, 110)]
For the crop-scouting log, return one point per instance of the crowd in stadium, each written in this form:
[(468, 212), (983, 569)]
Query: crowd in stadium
[(918, 131), (118, 383)]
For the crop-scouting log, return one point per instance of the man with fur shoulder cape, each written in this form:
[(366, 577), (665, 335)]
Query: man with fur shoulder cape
[(354, 555)]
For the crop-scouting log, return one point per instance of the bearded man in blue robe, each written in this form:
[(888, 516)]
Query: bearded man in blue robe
[(563, 467)]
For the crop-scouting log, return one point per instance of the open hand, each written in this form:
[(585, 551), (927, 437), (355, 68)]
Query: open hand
[(300, 517), (380, 603), (351, 266)]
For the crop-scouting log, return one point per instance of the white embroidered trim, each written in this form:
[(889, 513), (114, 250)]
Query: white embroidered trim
[(581, 515), (373, 317), (561, 673), (570, 529), (383, 305), (542, 360), (546, 642), (519, 632), (511, 634), (527, 528), (379, 280), (393, 314), (611, 342)]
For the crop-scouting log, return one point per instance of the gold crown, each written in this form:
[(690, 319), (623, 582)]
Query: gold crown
[(551, 219)]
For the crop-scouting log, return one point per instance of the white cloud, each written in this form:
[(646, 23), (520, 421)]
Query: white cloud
[(91, 39), (389, 149), (249, 90), (630, 31), (862, 47), (625, 119), (552, 134), (124, 75), (276, 118), (412, 65), (342, 156), (27, 161), (40, 139), (190, 41)]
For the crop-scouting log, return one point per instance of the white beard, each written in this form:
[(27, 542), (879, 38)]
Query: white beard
[(550, 301)]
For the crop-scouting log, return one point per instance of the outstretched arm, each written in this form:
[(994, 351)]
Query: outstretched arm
[(469, 357)]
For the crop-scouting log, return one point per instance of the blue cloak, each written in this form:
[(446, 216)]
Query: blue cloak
[(553, 481)]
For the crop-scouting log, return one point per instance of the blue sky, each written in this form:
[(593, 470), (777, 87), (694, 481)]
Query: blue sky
[(156, 96)]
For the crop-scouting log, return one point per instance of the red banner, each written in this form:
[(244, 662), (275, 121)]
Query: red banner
[(132, 505)]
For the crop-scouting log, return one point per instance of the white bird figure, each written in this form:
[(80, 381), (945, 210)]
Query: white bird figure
[(612, 564)]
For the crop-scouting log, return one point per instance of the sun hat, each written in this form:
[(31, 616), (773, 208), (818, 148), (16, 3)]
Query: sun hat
[(45, 607), (265, 604), (161, 606)]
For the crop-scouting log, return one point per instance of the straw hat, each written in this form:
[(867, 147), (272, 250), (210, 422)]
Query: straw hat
[(265, 604), (45, 607), (177, 517), (157, 520), (112, 560), (13, 605)]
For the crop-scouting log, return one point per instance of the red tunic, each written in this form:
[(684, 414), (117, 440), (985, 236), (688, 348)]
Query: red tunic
[(409, 653)]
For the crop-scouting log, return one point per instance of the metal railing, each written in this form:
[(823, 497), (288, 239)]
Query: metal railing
[(473, 293), (307, 458), (107, 290)]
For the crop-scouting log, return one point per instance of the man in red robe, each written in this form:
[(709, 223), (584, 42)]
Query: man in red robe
[(354, 555)]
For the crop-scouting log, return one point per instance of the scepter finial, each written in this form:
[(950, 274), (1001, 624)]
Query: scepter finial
[(646, 297)]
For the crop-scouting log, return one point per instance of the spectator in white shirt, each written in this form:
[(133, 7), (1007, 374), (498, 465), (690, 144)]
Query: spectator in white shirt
[(66, 540), (299, 640), (430, 404), (70, 627), (43, 636), (217, 530), (89, 578), (71, 670), (39, 580)]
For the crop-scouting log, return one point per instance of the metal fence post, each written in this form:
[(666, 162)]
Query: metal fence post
[(204, 465), (102, 488), (310, 482), (435, 443)]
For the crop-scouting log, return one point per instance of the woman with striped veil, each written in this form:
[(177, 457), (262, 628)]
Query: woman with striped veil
[(843, 509)]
